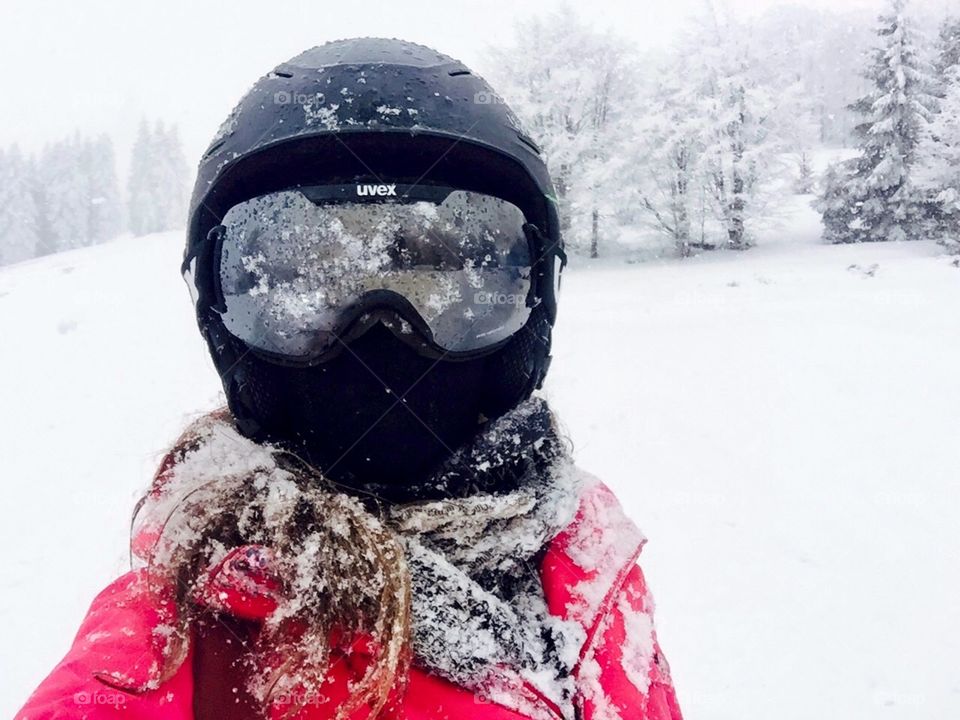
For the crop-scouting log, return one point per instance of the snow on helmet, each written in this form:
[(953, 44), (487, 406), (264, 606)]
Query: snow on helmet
[(371, 112)]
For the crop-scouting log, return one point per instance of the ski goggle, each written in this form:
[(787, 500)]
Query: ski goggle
[(302, 270)]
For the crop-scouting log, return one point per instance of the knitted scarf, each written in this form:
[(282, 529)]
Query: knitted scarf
[(479, 615)]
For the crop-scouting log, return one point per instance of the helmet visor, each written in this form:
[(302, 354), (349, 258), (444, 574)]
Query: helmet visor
[(298, 267)]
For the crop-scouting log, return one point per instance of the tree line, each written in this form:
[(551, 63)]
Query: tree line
[(697, 147), (68, 195), (701, 146)]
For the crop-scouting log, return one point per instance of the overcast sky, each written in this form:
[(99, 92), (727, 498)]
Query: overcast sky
[(101, 65)]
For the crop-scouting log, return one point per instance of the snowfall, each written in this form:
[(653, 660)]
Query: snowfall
[(783, 423)]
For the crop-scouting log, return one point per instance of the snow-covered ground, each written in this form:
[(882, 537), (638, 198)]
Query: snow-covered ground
[(782, 422)]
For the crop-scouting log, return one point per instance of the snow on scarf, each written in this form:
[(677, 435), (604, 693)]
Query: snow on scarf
[(479, 617)]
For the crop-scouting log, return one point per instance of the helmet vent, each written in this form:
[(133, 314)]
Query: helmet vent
[(455, 73), (282, 73), (213, 148), (529, 143)]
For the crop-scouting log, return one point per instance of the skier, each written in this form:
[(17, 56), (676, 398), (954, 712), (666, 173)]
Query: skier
[(385, 522)]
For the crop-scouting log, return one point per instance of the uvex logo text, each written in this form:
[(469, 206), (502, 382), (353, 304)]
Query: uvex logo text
[(376, 190)]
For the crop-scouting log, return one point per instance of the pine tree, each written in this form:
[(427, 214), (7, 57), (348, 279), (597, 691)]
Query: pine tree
[(18, 213), (62, 173), (104, 211), (76, 195), (46, 238), (938, 166), (173, 180), (945, 160), (948, 42), (156, 190), (873, 198), (142, 210), (840, 221)]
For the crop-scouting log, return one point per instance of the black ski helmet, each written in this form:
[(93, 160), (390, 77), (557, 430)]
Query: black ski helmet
[(369, 109)]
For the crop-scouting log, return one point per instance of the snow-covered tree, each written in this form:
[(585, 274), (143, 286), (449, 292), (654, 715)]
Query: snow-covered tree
[(806, 180), (839, 212), (18, 213), (176, 175), (65, 187), (156, 191), (668, 193), (818, 50), (873, 197), (710, 131), (739, 114), (786, 53), (666, 177), (948, 46), (938, 165), (76, 194), (730, 164), (104, 214), (142, 187), (570, 85)]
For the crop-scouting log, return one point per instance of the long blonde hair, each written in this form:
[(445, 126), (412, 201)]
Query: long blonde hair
[(343, 572)]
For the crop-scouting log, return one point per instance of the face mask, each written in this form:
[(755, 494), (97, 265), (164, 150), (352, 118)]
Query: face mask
[(379, 413)]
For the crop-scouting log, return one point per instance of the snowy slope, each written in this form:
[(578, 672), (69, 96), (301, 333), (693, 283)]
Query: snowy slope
[(783, 423), (101, 362)]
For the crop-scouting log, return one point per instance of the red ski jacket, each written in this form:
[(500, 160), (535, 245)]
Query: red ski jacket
[(589, 575)]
